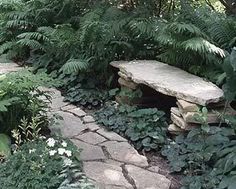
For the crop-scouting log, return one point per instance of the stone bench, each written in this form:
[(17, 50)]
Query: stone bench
[(191, 92)]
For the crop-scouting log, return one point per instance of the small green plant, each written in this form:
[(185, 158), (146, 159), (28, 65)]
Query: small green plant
[(146, 128), (21, 98), (38, 164)]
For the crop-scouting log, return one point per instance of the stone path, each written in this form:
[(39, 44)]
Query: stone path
[(170, 80), (8, 67), (108, 159)]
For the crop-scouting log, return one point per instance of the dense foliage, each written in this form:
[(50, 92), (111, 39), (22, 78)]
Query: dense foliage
[(56, 168), (146, 128), (75, 40)]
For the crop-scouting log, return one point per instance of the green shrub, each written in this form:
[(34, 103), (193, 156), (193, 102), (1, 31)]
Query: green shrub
[(145, 128), (43, 164), (20, 98)]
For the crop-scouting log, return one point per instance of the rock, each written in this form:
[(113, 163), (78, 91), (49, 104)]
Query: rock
[(128, 84), (77, 111), (145, 179), (212, 116), (8, 67), (171, 81), (154, 169), (122, 75), (70, 126), (175, 111), (124, 152), (58, 103), (106, 176), (191, 117), (68, 107), (179, 121), (111, 135), (91, 138), (92, 126), (174, 129), (54, 93), (89, 152), (185, 106), (88, 119)]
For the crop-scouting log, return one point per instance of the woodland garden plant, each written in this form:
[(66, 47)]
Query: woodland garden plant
[(74, 41)]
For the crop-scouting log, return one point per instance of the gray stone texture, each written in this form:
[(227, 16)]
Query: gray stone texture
[(106, 175), (171, 81), (151, 181), (89, 152), (124, 152)]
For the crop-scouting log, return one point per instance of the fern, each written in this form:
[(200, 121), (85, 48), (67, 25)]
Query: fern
[(74, 66)]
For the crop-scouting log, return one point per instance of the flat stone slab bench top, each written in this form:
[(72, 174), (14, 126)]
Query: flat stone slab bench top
[(171, 81), (8, 67)]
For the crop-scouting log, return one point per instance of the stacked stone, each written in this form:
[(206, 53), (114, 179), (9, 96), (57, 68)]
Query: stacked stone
[(184, 116), (126, 82)]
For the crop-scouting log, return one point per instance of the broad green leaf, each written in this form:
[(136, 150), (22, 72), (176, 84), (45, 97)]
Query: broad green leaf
[(5, 143)]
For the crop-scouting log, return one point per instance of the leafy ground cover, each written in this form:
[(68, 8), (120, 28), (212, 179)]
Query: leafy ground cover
[(75, 41)]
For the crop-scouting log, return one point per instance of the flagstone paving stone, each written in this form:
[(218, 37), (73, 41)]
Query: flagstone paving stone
[(108, 159)]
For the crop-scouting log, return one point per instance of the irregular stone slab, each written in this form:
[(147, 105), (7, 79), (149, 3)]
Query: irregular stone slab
[(179, 121), (154, 169), (106, 175), (88, 119), (77, 112), (124, 76), (68, 107), (92, 126), (213, 116), (58, 103), (54, 93), (124, 152), (71, 125), (128, 84), (145, 179), (175, 111), (111, 135), (89, 152), (174, 129), (91, 138), (9, 67), (171, 81), (191, 117), (185, 106)]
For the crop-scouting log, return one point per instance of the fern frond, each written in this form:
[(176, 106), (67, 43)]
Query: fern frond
[(202, 46), (74, 66), (30, 43), (17, 23), (33, 35), (6, 46), (187, 29)]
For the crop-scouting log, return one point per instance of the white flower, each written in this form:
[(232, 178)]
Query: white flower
[(67, 162), (52, 152), (51, 142), (64, 144), (32, 151), (68, 153), (61, 151)]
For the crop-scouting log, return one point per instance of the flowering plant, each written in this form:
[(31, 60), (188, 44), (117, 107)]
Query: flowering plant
[(44, 163)]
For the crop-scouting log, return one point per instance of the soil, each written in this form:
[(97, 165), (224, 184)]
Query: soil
[(155, 159)]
